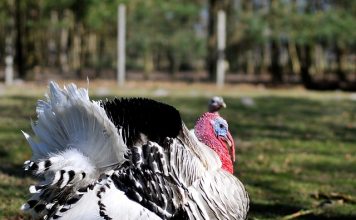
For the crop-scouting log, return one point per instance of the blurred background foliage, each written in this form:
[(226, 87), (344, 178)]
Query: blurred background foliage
[(268, 41)]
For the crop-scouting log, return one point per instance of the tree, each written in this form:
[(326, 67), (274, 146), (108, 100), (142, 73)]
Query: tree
[(19, 58)]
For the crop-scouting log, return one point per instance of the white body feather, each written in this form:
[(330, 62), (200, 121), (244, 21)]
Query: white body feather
[(116, 203)]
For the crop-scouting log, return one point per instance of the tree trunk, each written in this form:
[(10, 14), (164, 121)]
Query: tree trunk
[(77, 50), (339, 52), (276, 69), (92, 49), (98, 64), (52, 43), (63, 57), (212, 39), (147, 63), (294, 57), (250, 62), (305, 61), (64, 36), (319, 60), (76, 55), (174, 62), (266, 58), (32, 43), (19, 40)]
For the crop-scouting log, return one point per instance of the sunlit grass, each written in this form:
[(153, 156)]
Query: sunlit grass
[(290, 146)]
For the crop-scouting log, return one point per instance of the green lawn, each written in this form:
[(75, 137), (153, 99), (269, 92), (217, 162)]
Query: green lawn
[(292, 147)]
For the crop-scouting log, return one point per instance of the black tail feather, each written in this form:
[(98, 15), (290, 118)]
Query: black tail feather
[(139, 115)]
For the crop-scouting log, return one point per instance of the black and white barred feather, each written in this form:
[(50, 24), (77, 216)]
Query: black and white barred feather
[(124, 159)]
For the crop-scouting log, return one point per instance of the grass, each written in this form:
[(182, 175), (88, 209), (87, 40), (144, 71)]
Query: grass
[(292, 144)]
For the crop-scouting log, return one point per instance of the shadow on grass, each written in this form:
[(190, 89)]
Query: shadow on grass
[(279, 210), (344, 133), (347, 167), (272, 209), (3, 153), (13, 170), (323, 217)]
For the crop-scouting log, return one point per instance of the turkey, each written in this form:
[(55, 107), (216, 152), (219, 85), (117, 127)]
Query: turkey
[(215, 104), (212, 124), (123, 159)]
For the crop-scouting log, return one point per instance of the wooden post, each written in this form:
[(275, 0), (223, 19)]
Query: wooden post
[(121, 45), (221, 33), (9, 45), (9, 70)]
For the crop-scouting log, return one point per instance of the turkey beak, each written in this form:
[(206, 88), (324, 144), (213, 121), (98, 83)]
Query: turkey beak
[(223, 105), (229, 140)]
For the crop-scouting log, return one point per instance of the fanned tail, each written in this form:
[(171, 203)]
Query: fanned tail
[(75, 143)]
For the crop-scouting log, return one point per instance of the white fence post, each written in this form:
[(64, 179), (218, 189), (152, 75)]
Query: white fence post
[(221, 35), (9, 70), (121, 28)]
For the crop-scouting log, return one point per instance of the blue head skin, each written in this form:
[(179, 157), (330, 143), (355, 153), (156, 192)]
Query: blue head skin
[(221, 130), (220, 127)]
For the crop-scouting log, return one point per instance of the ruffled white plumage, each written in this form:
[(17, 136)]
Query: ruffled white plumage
[(117, 206), (73, 134), (69, 120)]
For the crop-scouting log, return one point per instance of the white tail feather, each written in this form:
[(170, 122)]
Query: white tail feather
[(69, 120), (75, 143)]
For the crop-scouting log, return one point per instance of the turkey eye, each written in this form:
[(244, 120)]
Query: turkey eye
[(221, 126)]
